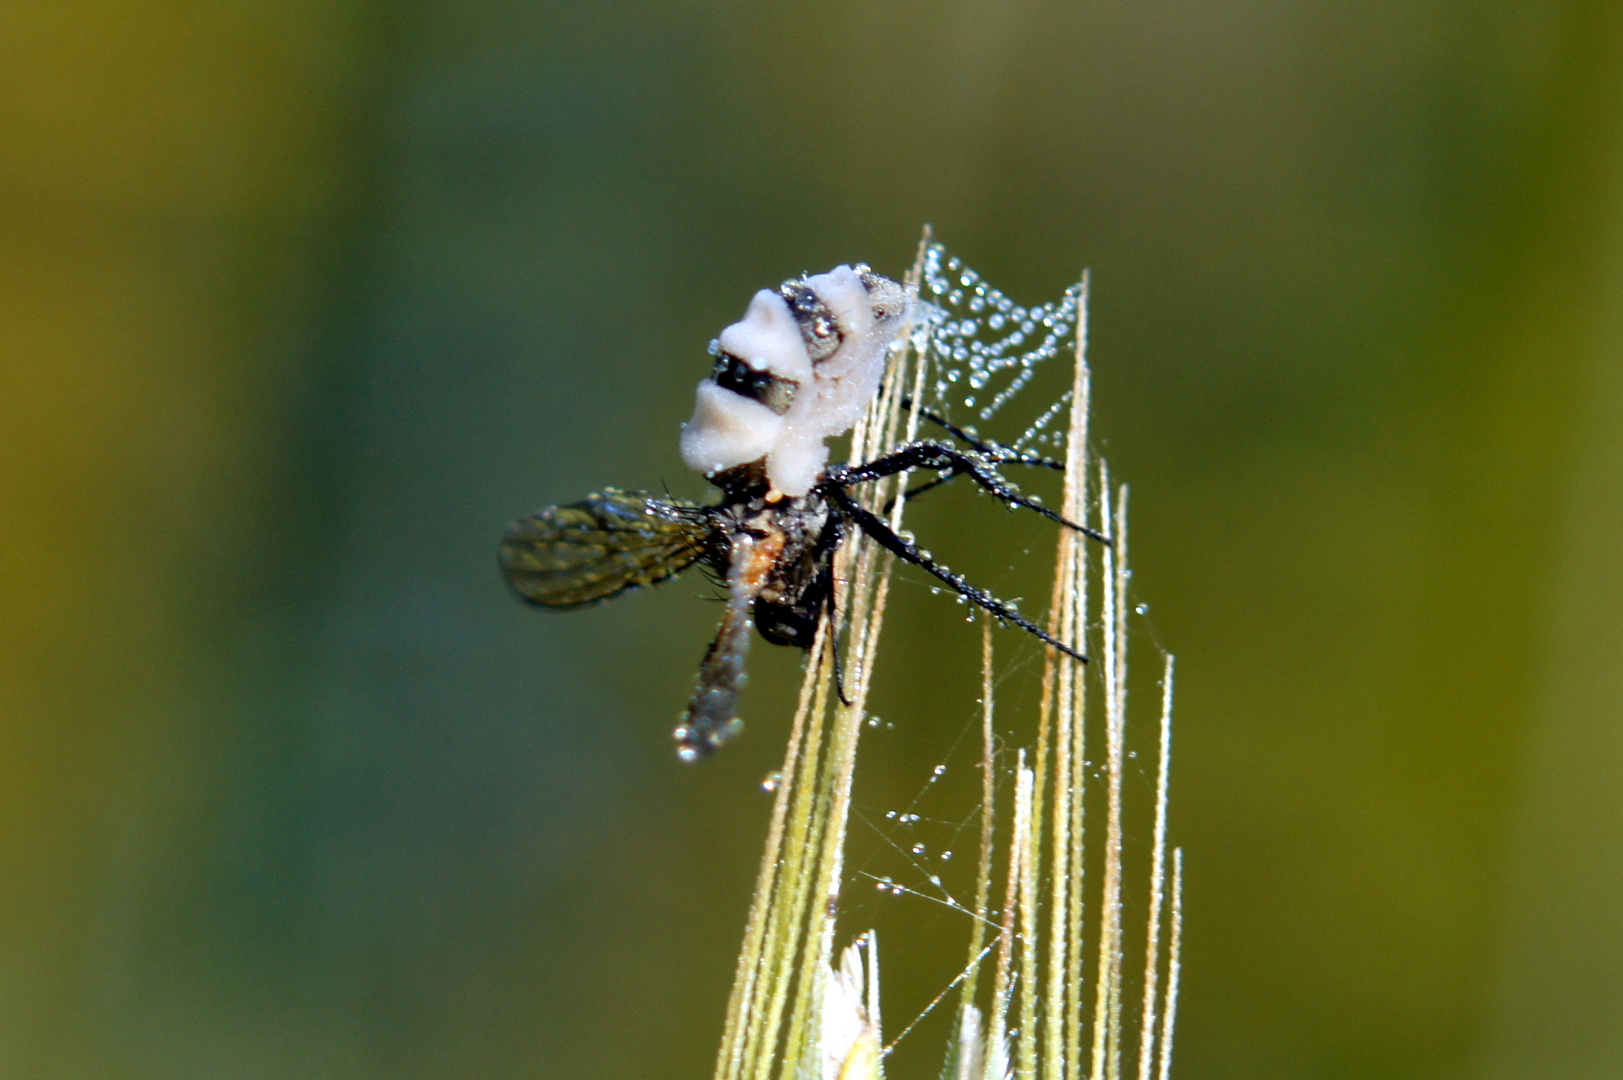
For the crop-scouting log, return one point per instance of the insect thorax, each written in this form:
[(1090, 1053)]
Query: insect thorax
[(802, 533)]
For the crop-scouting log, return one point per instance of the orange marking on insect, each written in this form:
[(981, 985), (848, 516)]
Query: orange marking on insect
[(762, 557)]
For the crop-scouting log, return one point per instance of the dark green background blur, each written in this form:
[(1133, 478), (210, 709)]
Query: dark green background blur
[(301, 301)]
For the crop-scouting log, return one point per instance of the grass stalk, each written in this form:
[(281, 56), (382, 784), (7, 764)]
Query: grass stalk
[(1054, 1009)]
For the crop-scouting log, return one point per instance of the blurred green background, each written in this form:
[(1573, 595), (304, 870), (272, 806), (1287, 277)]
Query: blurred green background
[(301, 302)]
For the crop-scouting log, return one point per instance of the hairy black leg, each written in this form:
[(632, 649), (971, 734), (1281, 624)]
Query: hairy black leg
[(995, 452), (827, 575), (930, 485), (1007, 455), (918, 489), (933, 455), (886, 538), (950, 428)]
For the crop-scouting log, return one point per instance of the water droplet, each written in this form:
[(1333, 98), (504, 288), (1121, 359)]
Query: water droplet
[(940, 770), (1142, 609), (891, 814), (946, 856), (917, 849), (935, 879), (772, 781)]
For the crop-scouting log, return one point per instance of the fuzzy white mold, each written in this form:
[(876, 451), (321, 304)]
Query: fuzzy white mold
[(768, 339), (727, 430), (796, 371)]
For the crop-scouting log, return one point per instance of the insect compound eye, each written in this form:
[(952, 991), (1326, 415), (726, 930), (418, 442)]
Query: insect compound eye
[(817, 324), (802, 301)]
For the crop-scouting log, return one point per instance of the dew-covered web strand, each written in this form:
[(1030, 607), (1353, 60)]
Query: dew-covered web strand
[(1141, 627), (1002, 763), (888, 886), (985, 348), (908, 816), (957, 980), (914, 850), (896, 830)]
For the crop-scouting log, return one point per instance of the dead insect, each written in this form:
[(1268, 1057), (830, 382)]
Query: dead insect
[(798, 369)]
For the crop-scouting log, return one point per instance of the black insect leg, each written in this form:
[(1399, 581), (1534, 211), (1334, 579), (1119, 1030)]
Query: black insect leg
[(909, 552), (826, 574), (995, 452), (992, 452), (918, 489), (932, 455), (951, 429), (996, 457)]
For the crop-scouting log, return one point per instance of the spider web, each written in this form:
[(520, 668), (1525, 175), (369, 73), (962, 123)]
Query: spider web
[(986, 350), (918, 881)]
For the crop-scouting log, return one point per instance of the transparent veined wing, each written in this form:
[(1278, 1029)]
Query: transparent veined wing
[(566, 556)]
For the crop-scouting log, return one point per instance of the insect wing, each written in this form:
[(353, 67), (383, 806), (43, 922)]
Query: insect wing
[(566, 556)]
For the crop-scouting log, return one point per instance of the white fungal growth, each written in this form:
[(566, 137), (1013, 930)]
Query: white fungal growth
[(728, 429), (768, 338), (796, 371)]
